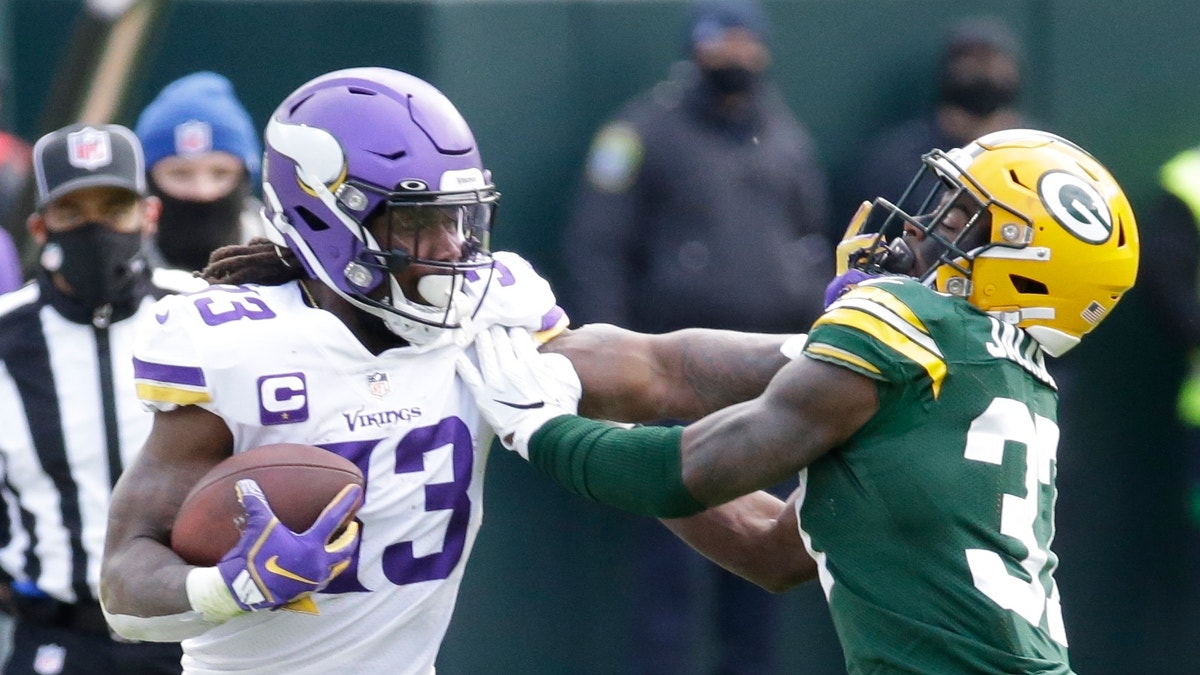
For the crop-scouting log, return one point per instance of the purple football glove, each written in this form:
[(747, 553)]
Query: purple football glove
[(271, 566), (843, 283)]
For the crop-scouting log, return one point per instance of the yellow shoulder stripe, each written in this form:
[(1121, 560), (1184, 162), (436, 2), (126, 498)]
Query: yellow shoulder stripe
[(837, 353), (543, 336), (163, 394), (890, 329), (877, 294)]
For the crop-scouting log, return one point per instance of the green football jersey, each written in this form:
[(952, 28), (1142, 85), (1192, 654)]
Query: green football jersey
[(932, 525)]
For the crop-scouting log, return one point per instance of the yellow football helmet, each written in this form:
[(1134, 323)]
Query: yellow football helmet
[(1048, 242)]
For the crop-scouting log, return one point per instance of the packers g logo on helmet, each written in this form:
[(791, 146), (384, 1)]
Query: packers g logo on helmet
[(1076, 205)]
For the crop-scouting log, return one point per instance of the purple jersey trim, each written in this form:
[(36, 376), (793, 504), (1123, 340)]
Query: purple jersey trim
[(158, 372), (551, 318)]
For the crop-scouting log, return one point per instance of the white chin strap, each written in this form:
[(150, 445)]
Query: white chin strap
[(415, 332), (448, 302)]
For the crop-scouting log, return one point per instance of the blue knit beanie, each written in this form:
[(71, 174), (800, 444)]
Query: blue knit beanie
[(199, 113), (710, 18)]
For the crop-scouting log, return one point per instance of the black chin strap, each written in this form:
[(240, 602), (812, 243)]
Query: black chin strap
[(897, 257), (398, 260)]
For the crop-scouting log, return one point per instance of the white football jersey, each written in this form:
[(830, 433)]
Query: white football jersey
[(277, 370)]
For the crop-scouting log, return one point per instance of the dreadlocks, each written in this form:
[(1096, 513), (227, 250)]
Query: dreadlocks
[(259, 261)]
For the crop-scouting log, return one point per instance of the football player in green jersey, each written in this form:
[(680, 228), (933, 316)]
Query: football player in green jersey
[(917, 411)]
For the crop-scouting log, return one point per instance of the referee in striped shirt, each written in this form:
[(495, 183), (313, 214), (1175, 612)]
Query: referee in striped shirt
[(69, 416)]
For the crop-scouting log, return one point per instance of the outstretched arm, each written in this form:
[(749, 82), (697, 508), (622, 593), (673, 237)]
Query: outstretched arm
[(809, 408), (724, 460), (686, 374)]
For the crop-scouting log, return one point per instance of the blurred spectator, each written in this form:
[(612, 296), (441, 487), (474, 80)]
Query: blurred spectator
[(978, 85), (15, 158), (1148, 455), (703, 205), (202, 159)]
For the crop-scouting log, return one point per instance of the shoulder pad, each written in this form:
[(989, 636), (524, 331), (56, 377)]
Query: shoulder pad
[(883, 324), (190, 332), (166, 363), (177, 281)]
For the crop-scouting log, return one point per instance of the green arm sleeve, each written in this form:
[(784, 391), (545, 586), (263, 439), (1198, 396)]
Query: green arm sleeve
[(636, 470)]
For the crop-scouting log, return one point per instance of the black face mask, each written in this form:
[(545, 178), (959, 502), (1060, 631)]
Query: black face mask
[(102, 266), (730, 80), (189, 231), (979, 97)]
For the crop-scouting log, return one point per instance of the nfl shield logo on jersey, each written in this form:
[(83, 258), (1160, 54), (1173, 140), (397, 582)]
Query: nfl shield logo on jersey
[(377, 383), (89, 148), (193, 137)]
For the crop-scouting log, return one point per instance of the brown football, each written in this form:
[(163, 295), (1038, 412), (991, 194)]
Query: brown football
[(298, 480)]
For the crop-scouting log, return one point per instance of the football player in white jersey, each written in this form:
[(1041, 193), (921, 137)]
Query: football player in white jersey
[(344, 333)]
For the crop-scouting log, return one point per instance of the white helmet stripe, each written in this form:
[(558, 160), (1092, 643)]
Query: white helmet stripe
[(317, 154)]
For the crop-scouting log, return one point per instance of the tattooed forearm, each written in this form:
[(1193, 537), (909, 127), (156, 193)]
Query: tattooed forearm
[(633, 377), (722, 368)]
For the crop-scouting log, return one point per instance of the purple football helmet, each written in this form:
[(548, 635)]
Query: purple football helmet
[(361, 142)]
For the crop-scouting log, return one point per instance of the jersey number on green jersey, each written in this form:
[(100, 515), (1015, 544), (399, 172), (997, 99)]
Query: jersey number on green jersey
[(1011, 420)]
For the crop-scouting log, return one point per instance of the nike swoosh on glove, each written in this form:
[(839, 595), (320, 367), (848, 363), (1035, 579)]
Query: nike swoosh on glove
[(518, 388), (271, 566)]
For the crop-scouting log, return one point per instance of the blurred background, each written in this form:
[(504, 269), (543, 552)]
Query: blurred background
[(548, 587)]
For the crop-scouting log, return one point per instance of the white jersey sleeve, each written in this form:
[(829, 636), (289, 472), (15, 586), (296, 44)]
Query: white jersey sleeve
[(167, 367)]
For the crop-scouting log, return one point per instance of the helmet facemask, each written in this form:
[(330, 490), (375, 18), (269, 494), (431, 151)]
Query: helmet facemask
[(396, 241), (949, 221)]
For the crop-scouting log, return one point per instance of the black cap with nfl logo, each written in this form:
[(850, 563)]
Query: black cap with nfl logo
[(83, 155)]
